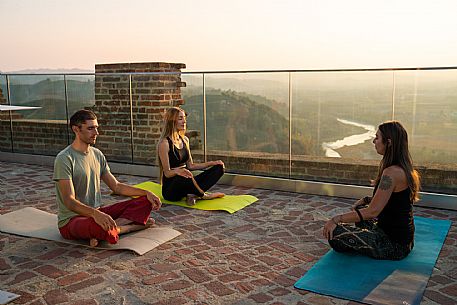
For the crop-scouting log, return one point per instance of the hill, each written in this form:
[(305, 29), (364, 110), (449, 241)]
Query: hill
[(235, 122), (49, 93)]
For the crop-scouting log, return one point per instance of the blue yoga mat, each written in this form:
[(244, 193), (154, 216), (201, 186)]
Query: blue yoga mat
[(363, 279)]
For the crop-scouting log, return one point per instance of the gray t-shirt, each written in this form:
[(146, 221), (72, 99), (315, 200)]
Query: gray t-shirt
[(85, 171)]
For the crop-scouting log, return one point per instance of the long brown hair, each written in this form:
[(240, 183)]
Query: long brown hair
[(397, 153), (169, 129)]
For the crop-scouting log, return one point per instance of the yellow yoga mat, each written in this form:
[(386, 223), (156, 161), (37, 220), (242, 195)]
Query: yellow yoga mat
[(229, 203)]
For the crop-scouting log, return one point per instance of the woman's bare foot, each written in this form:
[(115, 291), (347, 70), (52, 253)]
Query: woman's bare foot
[(209, 196), (93, 242)]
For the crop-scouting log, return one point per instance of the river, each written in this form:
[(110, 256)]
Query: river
[(331, 147)]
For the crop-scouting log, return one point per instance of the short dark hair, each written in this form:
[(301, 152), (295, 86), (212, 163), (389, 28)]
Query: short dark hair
[(81, 116)]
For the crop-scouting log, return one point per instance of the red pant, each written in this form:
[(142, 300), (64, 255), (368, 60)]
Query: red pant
[(81, 227)]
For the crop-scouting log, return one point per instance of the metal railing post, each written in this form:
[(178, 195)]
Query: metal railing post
[(393, 95), (131, 117), (205, 153), (413, 125), (66, 107), (290, 124), (8, 96)]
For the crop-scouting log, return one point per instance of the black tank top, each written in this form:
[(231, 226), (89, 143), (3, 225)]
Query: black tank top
[(177, 157), (396, 219)]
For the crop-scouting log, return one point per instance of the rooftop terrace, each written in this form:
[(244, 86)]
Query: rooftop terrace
[(250, 257), (304, 131)]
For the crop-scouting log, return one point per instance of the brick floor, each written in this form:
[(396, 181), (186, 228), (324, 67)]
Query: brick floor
[(251, 257)]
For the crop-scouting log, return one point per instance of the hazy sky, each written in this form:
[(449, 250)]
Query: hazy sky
[(228, 35)]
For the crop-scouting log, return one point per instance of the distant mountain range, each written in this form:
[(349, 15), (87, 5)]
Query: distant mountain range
[(50, 71)]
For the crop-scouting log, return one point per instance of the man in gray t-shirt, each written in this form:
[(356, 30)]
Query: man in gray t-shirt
[(78, 170)]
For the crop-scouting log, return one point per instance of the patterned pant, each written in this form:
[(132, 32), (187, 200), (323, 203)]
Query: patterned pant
[(368, 239)]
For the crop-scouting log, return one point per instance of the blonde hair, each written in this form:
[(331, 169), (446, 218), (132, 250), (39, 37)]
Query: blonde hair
[(170, 119)]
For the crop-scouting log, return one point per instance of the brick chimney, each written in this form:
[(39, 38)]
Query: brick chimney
[(151, 95)]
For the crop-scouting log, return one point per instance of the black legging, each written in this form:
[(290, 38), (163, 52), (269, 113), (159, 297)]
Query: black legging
[(368, 239), (177, 187)]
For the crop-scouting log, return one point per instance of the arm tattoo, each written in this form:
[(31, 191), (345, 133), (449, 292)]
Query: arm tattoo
[(385, 183)]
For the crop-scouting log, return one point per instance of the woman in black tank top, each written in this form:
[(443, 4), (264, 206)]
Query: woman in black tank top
[(384, 223), (175, 162)]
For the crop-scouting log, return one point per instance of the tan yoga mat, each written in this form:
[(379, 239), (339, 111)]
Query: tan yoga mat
[(32, 222)]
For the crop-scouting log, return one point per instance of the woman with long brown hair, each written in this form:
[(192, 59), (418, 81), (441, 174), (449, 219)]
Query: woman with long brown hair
[(384, 223), (176, 164)]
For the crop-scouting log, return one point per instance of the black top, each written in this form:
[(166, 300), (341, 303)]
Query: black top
[(177, 156), (396, 219)]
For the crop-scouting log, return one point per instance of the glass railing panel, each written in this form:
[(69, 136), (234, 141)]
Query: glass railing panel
[(80, 92), (335, 116), (248, 122), (426, 104), (81, 95), (192, 95), (112, 108), (5, 120), (41, 130)]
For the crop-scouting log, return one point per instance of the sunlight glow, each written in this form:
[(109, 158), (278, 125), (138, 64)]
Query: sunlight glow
[(229, 35)]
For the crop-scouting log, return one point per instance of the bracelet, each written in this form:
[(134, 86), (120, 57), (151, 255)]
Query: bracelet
[(359, 214)]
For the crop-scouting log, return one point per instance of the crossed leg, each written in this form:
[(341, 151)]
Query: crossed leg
[(131, 215), (125, 226)]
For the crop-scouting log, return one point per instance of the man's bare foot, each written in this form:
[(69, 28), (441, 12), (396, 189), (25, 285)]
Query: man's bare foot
[(134, 227), (123, 221), (150, 223), (209, 196), (93, 242)]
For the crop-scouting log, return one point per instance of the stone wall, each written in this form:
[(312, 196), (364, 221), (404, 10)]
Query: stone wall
[(434, 177), (41, 137), (6, 117), (151, 95), (2, 97), (5, 132)]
